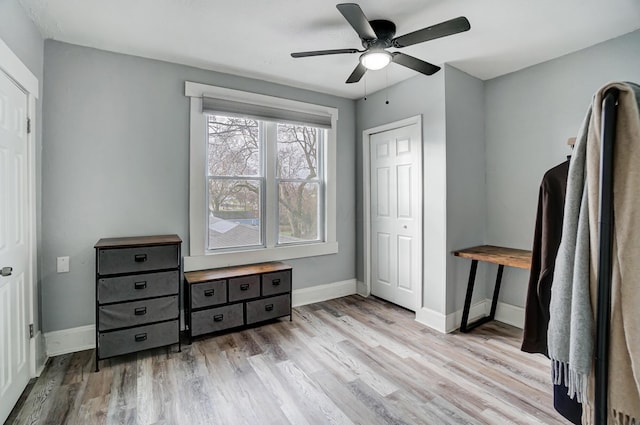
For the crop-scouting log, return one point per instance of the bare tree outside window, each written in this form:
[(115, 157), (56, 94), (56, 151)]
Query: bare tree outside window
[(235, 182), (236, 148), (298, 182)]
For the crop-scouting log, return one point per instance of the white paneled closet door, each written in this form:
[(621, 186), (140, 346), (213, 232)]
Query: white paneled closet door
[(14, 254), (396, 215)]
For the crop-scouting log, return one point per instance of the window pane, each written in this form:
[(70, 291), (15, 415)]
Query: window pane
[(298, 210), (234, 146), (234, 213), (298, 151)]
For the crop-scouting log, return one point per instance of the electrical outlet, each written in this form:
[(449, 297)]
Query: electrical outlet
[(63, 264)]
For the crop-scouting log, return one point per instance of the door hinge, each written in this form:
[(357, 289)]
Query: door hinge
[(28, 125), (31, 330)]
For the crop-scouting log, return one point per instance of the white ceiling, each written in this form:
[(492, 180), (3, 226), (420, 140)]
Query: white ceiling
[(254, 38)]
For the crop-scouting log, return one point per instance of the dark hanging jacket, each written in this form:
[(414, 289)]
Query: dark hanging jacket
[(546, 241)]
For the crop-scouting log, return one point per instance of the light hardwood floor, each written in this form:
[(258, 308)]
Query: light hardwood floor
[(349, 360)]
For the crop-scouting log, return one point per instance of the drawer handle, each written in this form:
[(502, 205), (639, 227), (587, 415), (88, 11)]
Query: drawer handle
[(141, 337), (140, 311), (140, 258), (140, 285), (244, 287), (275, 282), (268, 307), (208, 292), (218, 317)]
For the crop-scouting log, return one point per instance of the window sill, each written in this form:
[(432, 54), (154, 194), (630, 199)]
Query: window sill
[(237, 258)]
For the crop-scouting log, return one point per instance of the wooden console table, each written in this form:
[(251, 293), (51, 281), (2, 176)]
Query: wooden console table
[(518, 258)]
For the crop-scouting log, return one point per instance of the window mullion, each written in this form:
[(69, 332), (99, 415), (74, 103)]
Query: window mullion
[(322, 214), (271, 192)]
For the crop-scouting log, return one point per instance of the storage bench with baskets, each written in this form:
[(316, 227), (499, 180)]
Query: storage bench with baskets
[(230, 297)]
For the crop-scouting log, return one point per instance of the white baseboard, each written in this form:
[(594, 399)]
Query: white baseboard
[(477, 310), (505, 313), (70, 340), (41, 347), (84, 337), (450, 322), (509, 314), (361, 289), (325, 292), (432, 318)]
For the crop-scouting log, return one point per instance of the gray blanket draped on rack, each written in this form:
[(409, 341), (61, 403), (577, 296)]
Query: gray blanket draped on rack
[(571, 333)]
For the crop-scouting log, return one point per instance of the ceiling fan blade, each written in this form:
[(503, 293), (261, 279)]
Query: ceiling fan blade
[(323, 52), (357, 74), (415, 63), (443, 29), (354, 15)]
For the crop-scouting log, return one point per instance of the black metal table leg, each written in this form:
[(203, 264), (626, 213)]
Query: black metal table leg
[(467, 299), (496, 292), (464, 325)]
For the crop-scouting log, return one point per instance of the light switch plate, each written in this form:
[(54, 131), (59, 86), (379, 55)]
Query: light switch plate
[(63, 264)]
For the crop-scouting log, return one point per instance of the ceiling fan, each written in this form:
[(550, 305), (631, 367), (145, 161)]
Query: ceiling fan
[(378, 35)]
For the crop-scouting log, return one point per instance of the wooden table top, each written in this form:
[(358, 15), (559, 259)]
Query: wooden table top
[(520, 258)]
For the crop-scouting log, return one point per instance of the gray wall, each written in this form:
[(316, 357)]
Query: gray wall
[(116, 163), (529, 116), (24, 39), (417, 96), (466, 190)]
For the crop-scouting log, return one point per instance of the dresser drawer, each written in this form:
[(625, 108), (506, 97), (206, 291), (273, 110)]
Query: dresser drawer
[(128, 288), (144, 258), (276, 283), (136, 313), (208, 293), (268, 308), (136, 339), (217, 319), (242, 288)]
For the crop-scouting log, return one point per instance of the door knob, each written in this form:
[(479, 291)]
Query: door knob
[(6, 271)]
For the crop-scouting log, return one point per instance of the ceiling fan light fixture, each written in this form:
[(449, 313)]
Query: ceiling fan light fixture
[(376, 59)]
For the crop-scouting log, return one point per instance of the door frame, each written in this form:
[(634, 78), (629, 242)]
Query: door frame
[(366, 189), (13, 67)]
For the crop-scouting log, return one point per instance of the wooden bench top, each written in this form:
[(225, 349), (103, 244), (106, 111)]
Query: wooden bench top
[(235, 271), (512, 257)]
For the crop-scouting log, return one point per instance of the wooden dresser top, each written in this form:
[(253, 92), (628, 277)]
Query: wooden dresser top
[(138, 241)]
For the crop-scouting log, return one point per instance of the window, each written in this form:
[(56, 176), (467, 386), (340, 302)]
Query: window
[(300, 185), (235, 182), (262, 184)]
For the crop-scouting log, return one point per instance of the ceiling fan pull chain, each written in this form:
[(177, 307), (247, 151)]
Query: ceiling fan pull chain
[(387, 84), (365, 87)]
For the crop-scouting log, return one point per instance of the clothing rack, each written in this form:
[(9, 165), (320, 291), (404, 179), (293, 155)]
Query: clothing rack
[(603, 317)]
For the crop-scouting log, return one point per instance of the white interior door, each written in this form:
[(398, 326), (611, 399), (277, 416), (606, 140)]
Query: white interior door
[(396, 215), (14, 254)]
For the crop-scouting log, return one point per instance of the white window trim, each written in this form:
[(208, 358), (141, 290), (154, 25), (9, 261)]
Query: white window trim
[(198, 258)]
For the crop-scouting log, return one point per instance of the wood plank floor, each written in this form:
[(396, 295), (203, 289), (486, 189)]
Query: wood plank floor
[(346, 361)]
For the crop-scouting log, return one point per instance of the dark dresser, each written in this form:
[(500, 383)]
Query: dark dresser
[(137, 294), (221, 299)]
